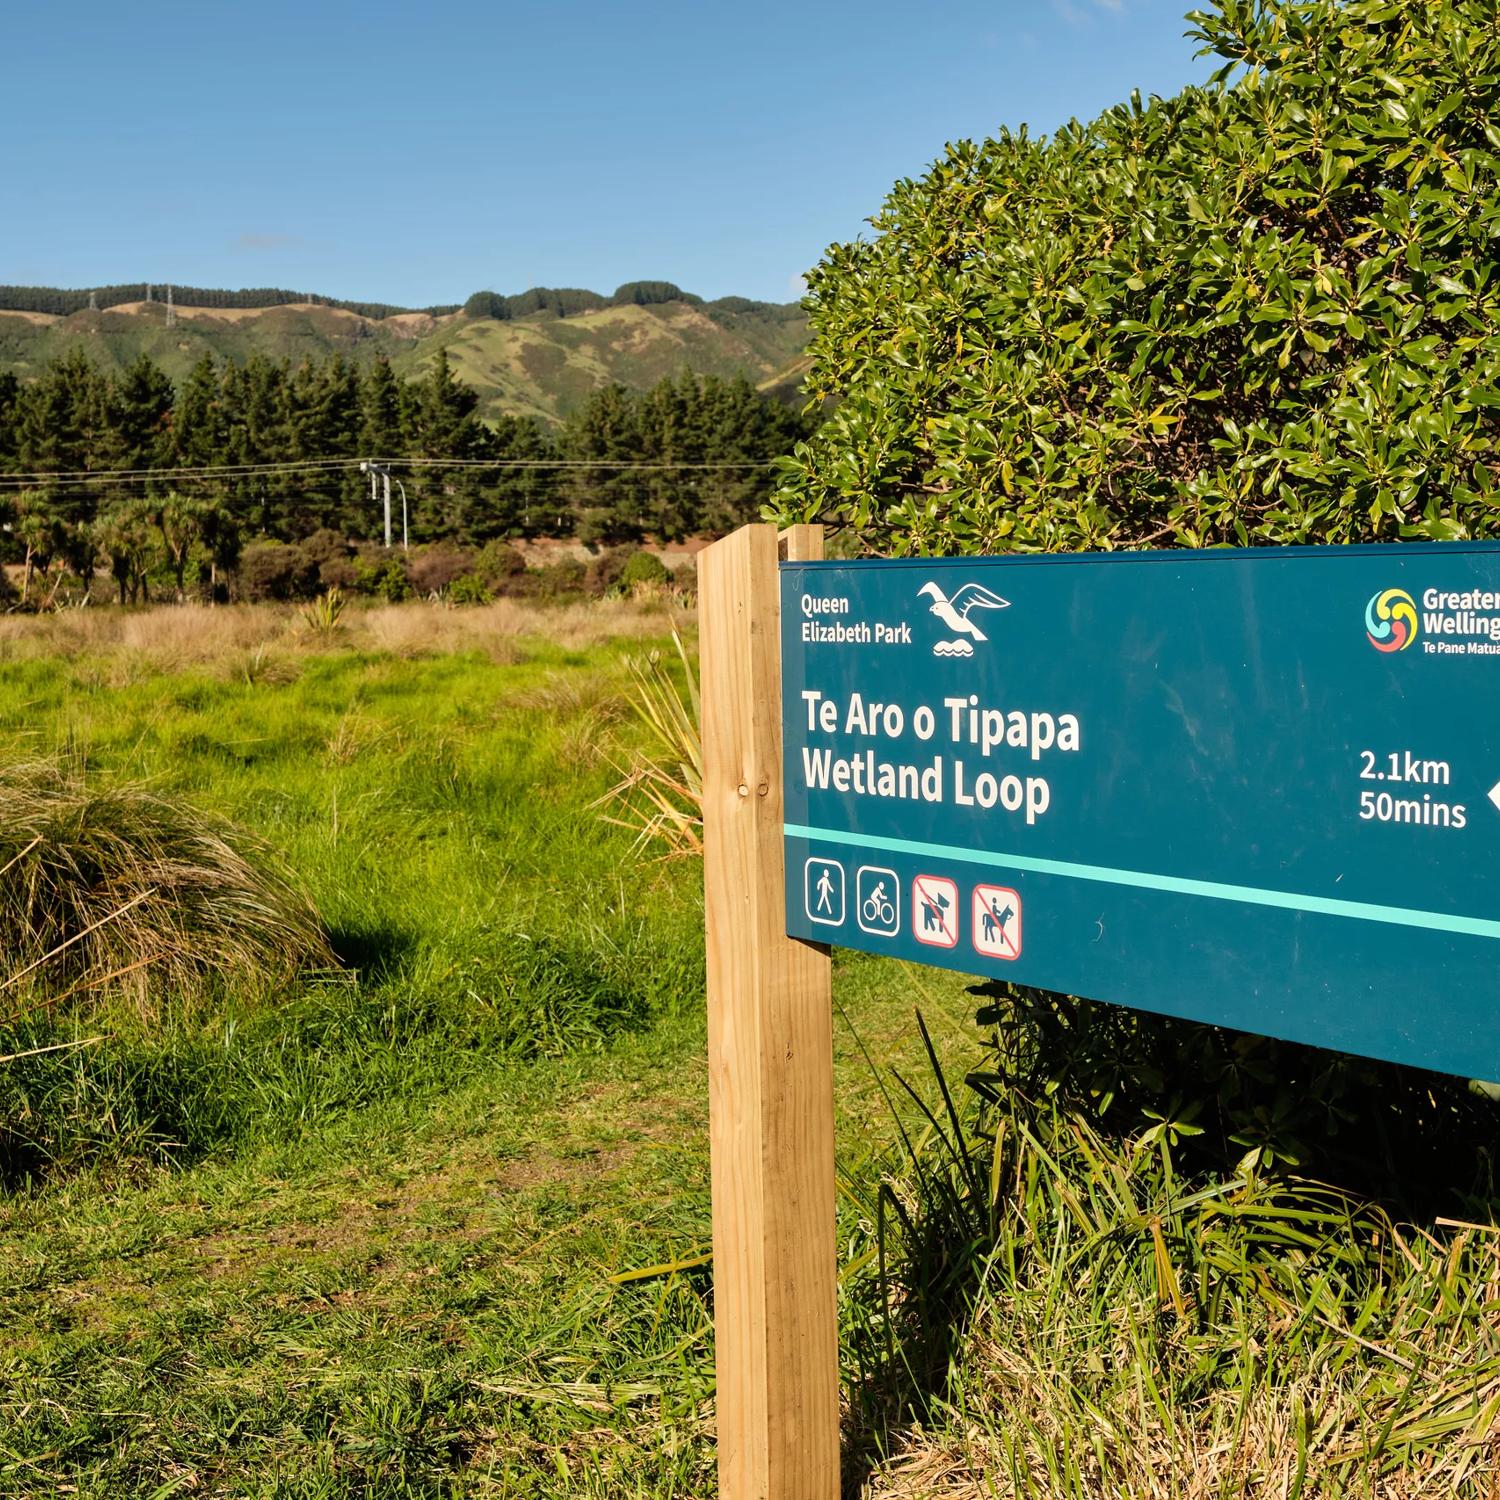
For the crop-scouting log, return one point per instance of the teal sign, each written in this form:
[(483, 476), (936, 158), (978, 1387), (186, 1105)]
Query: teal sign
[(1258, 788)]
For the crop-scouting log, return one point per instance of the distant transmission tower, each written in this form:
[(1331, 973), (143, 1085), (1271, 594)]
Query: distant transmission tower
[(171, 315)]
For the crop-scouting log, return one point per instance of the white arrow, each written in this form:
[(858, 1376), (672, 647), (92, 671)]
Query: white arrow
[(1495, 794)]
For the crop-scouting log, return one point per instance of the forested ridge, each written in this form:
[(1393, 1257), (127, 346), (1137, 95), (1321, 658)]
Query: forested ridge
[(540, 354), (559, 301), (270, 452), (62, 302)]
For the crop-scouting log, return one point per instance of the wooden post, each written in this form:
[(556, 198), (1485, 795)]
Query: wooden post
[(770, 1059)]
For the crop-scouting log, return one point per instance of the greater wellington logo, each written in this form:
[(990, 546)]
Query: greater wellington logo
[(1391, 620)]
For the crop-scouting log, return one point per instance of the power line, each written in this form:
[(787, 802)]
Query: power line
[(570, 463), (303, 466), (320, 482), (105, 475)]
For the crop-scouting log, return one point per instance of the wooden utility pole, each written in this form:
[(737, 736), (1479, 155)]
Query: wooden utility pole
[(770, 1058)]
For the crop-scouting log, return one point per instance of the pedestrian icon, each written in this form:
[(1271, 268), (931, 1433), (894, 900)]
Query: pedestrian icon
[(823, 891), (877, 894), (934, 911), (997, 921)]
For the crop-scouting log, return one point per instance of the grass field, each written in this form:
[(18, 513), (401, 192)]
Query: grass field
[(435, 1220), (385, 1235)]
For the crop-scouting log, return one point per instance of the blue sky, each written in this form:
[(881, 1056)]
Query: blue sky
[(414, 154)]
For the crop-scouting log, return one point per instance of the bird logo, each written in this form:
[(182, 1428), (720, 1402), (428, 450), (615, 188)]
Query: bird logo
[(954, 613)]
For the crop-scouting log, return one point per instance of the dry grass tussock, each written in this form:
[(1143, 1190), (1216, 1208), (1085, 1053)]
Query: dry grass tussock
[(234, 639), (1039, 1436), (1245, 1341), (120, 889)]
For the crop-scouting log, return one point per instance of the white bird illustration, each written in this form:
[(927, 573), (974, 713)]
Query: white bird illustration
[(954, 612)]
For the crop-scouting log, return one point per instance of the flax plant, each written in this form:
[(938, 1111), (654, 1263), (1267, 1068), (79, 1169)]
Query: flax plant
[(660, 795)]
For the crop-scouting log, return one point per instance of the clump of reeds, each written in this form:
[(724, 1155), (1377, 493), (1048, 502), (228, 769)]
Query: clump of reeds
[(110, 889), (1040, 1308), (660, 795)]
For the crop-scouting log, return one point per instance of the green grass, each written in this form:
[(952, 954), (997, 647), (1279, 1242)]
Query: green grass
[(436, 1224), (360, 1241)]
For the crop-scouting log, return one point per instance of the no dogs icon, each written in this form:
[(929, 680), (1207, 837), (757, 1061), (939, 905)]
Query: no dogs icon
[(934, 911)]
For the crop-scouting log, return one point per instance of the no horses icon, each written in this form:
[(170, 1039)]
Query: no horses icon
[(996, 932)]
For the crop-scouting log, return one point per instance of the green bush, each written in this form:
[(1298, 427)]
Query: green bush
[(565, 578), (383, 574), (606, 569), (433, 569), (332, 555), (468, 588), (1265, 310), (643, 568), (499, 566)]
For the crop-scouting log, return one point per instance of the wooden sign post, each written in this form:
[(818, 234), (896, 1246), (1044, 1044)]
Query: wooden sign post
[(770, 1058), (1049, 768)]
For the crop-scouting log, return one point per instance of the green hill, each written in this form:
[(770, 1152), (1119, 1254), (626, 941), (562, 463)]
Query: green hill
[(534, 363)]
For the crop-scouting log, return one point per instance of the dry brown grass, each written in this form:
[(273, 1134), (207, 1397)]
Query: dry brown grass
[(122, 888), (1303, 1440), (239, 639), (1140, 1334)]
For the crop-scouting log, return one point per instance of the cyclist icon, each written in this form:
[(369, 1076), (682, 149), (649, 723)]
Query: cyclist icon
[(878, 892), (878, 909)]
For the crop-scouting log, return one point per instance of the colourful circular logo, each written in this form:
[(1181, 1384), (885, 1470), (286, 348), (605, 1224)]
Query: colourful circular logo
[(1391, 620)]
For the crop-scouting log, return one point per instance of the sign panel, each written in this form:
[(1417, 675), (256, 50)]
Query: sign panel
[(1259, 788)]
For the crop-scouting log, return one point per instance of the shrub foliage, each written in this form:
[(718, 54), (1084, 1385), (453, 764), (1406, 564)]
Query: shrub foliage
[(1263, 310)]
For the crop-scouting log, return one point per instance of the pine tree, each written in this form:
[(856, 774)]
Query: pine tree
[(381, 435), (62, 426), (604, 497), (442, 425), (258, 424), (10, 395), (510, 502), (141, 413), (200, 434)]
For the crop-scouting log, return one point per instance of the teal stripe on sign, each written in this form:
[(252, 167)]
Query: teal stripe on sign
[(1362, 911)]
